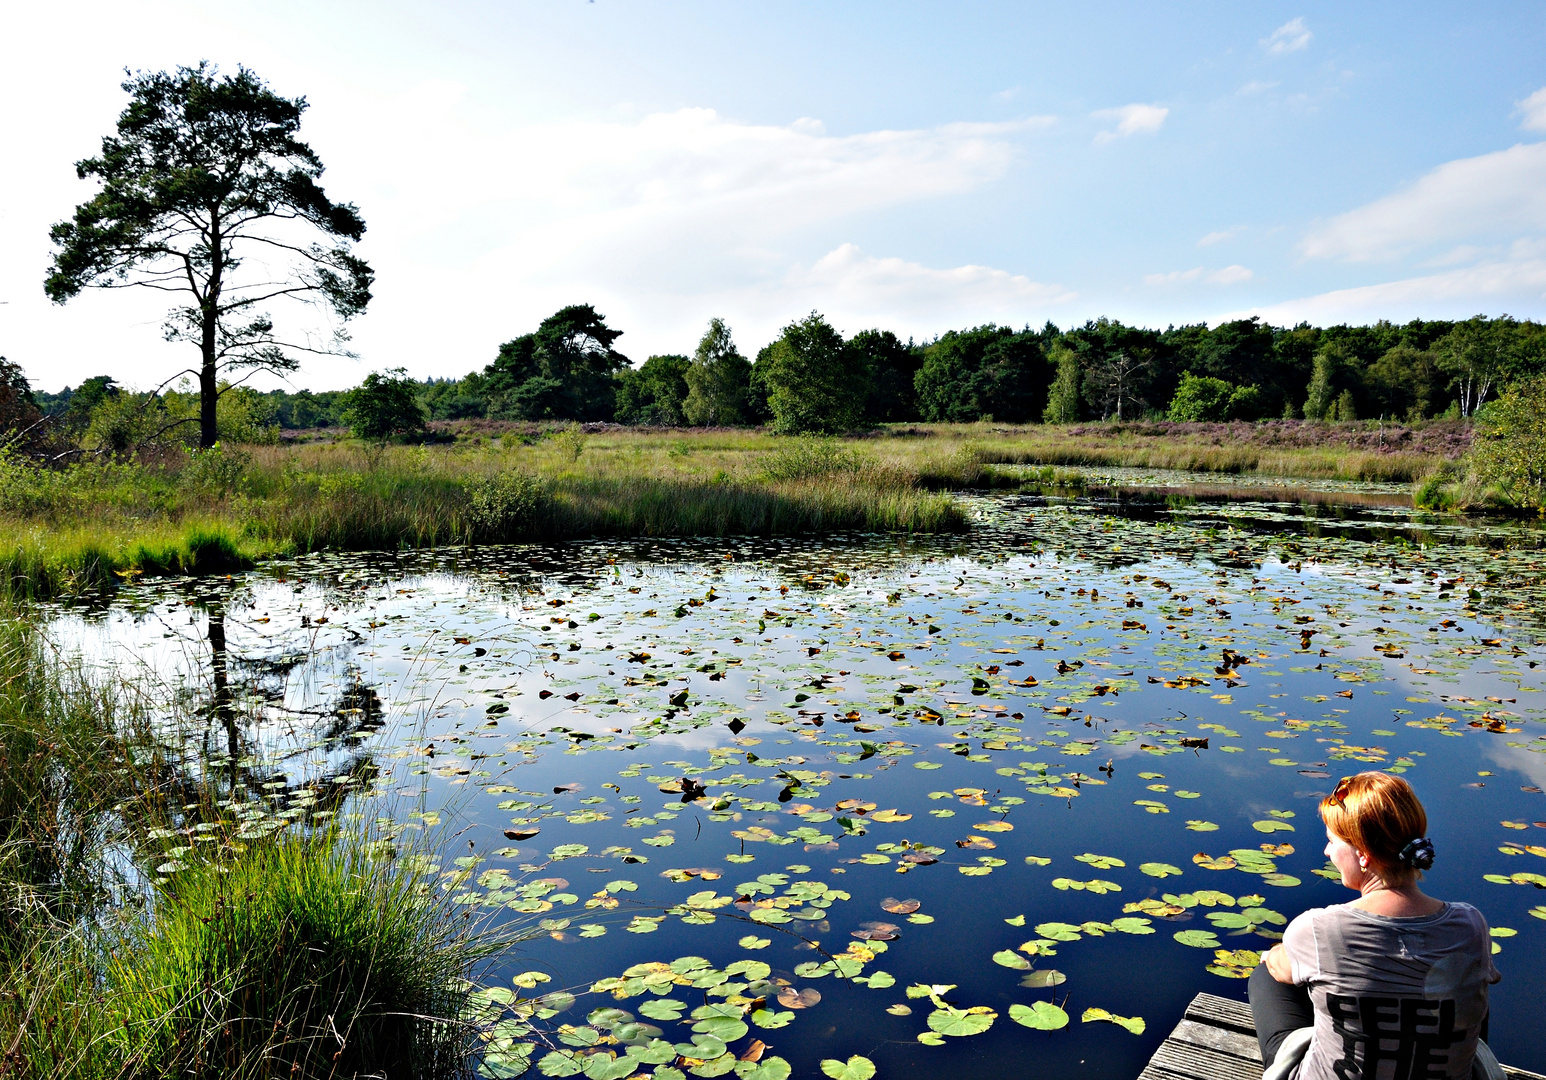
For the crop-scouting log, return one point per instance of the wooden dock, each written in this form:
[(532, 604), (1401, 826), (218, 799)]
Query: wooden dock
[(1216, 1040)]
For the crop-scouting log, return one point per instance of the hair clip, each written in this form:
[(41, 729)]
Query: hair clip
[(1418, 853)]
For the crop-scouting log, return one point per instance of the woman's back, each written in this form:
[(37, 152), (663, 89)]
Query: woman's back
[(1395, 998)]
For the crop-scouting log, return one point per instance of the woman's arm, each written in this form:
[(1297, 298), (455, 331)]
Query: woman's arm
[(1278, 964)]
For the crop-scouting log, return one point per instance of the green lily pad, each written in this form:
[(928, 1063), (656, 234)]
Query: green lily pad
[(1159, 870), (1042, 1015), (559, 1063), (1100, 862), (962, 1022), (1197, 939), (855, 1068), (1010, 959), (1040, 980)]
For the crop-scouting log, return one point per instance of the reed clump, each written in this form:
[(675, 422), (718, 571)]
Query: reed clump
[(307, 952), (306, 956)]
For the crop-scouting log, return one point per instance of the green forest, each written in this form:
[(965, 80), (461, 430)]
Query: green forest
[(812, 379)]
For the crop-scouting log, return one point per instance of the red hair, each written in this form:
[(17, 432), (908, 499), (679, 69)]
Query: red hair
[(1378, 814)]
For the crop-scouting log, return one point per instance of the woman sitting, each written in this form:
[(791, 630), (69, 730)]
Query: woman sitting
[(1391, 986)]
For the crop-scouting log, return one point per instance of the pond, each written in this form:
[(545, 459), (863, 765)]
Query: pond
[(907, 794)]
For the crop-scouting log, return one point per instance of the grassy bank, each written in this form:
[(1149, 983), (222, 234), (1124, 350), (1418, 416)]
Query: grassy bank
[(81, 528), (296, 951), (73, 530)]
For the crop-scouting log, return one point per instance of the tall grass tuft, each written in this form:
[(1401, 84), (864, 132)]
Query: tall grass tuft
[(306, 956)]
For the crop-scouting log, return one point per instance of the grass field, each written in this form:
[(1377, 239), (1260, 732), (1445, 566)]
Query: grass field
[(81, 528)]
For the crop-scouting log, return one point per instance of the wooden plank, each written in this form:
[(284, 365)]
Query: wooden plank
[(1202, 1063), (1222, 1012), (1216, 1040), (1224, 1040)]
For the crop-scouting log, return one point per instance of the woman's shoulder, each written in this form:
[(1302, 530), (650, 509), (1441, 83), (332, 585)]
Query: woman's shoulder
[(1307, 919)]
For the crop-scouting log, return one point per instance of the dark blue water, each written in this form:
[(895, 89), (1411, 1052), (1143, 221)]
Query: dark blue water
[(844, 678)]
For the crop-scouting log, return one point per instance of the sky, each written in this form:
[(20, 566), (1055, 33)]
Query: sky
[(916, 167)]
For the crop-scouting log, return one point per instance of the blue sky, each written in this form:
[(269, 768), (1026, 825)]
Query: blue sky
[(904, 165)]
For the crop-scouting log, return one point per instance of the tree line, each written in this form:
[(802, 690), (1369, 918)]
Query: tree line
[(207, 193), (813, 379)]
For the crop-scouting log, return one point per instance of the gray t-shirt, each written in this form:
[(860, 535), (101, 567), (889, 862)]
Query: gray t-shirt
[(1395, 999)]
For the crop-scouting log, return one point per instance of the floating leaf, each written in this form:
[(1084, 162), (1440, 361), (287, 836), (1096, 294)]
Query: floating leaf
[(1208, 862), (770, 1019), (559, 1063), (855, 1068), (1197, 939), (1159, 870), (1132, 925), (1270, 826), (1100, 862), (1009, 959), (1199, 825), (1042, 1015), (962, 1022), (1134, 1024), (663, 1009), (1039, 980), (752, 941)]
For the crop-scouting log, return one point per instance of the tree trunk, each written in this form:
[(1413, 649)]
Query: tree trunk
[(209, 396), (209, 391)]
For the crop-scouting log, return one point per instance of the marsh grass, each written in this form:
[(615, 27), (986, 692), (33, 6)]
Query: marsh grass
[(81, 529), (307, 956), (310, 951)]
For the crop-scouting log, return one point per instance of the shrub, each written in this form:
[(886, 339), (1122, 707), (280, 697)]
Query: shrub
[(218, 469), (1510, 447), (383, 407), (1204, 398), (806, 459), (501, 506), (570, 441)]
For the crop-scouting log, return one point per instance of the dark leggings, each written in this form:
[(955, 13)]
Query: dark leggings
[(1278, 1009)]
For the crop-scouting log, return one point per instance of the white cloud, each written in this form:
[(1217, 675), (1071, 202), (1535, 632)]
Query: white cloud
[(1218, 237), (1500, 285), (1229, 275), (1290, 37), (479, 229), (1497, 195), (865, 288), (1175, 277), (1133, 119), (1533, 109), (1255, 86)]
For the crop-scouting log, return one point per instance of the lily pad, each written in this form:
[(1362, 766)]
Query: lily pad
[(855, 1068), (1197, 939), (1041, 1015), (962, 1022), (1134, 1024)]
